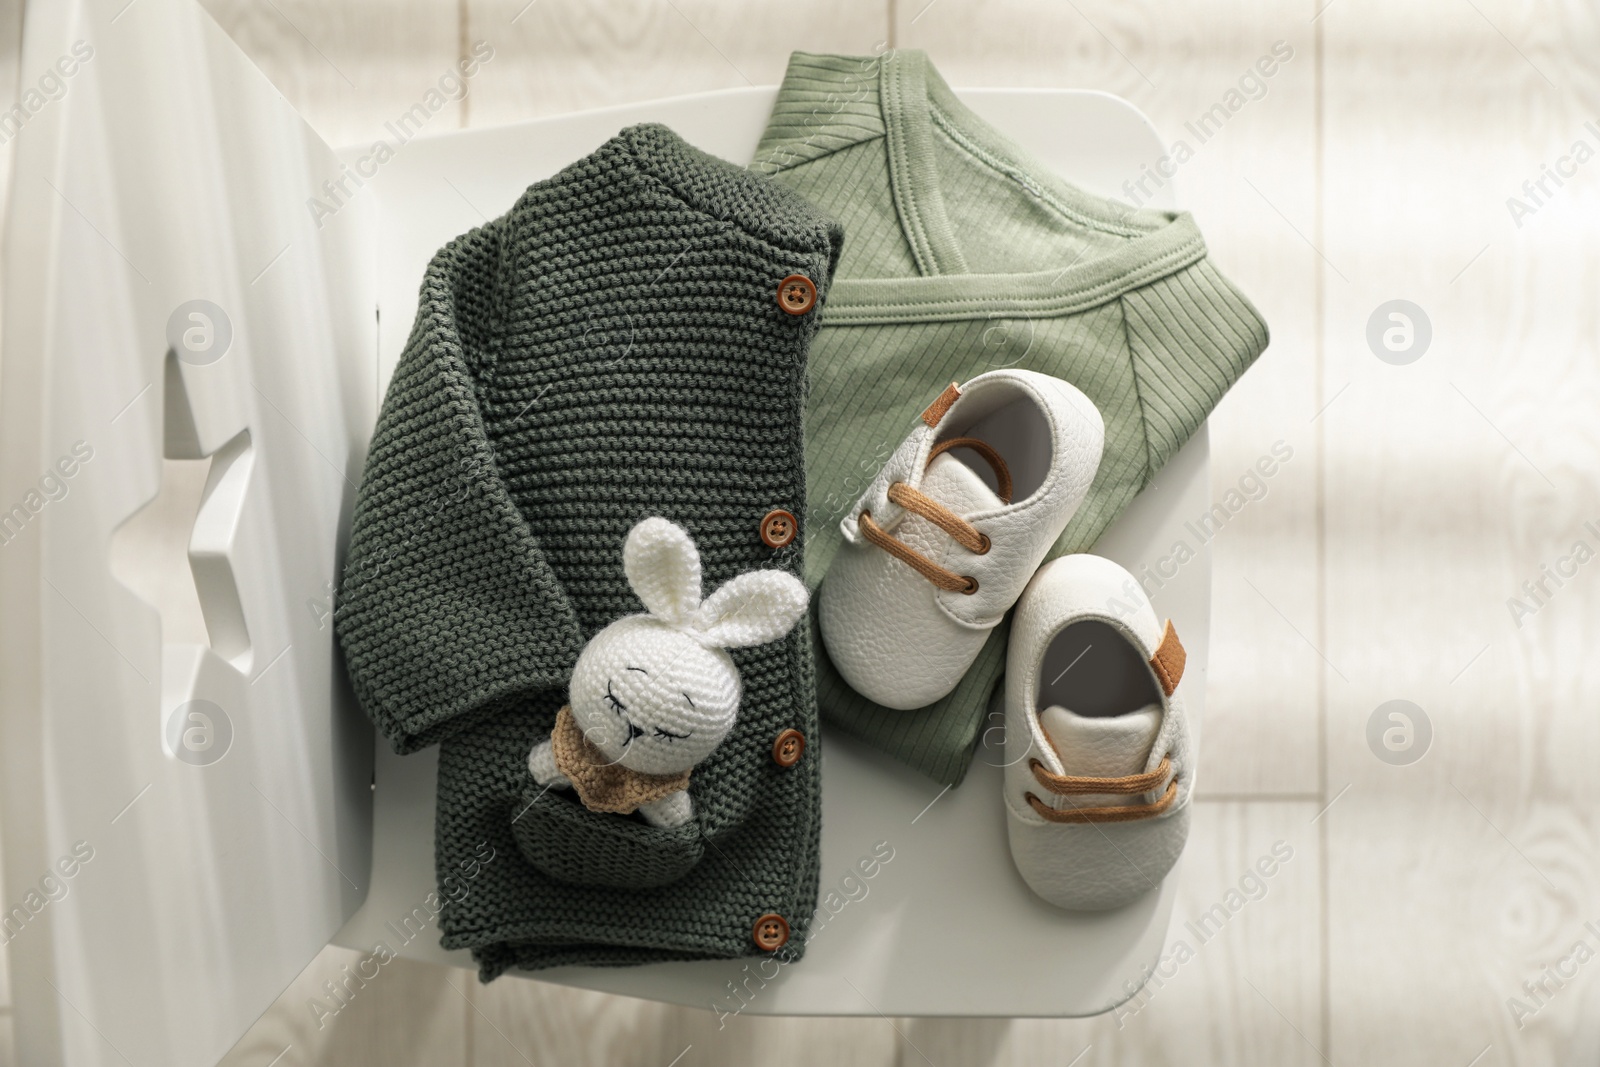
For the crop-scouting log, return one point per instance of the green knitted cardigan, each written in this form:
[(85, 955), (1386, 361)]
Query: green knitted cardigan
[(611, 348)]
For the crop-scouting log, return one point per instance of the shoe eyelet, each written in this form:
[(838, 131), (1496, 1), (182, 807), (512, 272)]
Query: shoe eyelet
[(971, 586), (984, 544)]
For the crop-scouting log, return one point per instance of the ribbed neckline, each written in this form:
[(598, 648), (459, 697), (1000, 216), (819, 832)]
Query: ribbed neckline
[(913, 99)]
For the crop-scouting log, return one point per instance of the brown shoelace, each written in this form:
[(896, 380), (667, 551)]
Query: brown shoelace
[(1063, 785), (965, 534)]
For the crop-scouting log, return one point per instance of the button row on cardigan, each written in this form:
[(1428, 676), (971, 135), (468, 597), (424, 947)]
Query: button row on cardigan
[(797, 294)]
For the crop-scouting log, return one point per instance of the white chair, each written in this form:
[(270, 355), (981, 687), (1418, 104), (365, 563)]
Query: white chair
[(169, 693)]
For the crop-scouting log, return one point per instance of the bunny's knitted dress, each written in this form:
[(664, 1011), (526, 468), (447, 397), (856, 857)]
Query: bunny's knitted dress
[(611, 348)]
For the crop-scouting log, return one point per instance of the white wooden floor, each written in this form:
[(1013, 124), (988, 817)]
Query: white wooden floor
[(1374, 165)]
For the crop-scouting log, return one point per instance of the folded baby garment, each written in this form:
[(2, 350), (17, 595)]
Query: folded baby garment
[(628, 341), (967, 255)]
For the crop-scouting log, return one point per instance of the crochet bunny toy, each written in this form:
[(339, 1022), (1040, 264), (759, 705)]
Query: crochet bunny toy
[(653, 695)]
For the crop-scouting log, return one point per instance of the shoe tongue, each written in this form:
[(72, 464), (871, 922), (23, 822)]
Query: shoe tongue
[(957, 486), (1103, 747)]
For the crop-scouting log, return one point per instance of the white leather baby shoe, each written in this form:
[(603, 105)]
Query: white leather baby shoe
[(1099, 760), (943, 541)]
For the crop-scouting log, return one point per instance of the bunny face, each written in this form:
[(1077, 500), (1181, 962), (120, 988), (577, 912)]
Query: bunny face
[(651, 697), (657, 693)]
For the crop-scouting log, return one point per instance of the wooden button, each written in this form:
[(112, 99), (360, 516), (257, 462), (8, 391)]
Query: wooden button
[(778, 528), (797, 294), (771, 932), (788, 748)]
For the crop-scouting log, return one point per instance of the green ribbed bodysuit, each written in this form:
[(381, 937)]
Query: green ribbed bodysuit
[(963, 254)]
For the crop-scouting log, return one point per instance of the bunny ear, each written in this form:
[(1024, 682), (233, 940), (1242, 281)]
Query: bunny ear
[(752, 609), (663, 566)]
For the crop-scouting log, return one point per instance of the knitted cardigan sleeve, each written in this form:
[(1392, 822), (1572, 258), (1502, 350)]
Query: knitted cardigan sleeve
[(447, 610)]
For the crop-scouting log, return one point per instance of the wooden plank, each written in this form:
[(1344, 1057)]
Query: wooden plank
[(554, 56), (1451, 481), (1251, 182), (376, 1013), (10, 78), (516, 1021), (354, 66)]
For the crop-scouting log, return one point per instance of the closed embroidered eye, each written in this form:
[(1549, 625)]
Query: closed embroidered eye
[(611, 698), (668, 735)]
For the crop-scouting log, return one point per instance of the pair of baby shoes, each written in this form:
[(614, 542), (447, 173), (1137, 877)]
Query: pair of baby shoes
[(950, 536)]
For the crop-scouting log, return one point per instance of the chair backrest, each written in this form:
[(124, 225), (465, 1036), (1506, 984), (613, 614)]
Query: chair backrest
[(187, 382)]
